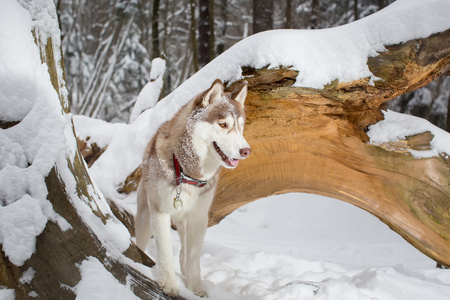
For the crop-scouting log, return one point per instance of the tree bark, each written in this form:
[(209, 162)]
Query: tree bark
[(155, 30), (262, 15), (193, 36), (288, 12), (205, 32), (314, 18)]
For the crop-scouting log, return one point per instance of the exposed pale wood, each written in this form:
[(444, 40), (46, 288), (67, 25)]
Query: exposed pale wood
[(90, 152)]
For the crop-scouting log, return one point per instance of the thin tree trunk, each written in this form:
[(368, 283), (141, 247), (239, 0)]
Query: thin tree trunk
[(155, 30), (314, 19), (262, 15), (223, 30), (193, 36), (204, 33), (288, 11), (212, 38)]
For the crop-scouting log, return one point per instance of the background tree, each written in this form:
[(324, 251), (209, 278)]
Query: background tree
[(206, 45), (155, 29), (262, 15)]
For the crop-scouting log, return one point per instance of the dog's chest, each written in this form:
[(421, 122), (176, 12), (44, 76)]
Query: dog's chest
[(192, 197)]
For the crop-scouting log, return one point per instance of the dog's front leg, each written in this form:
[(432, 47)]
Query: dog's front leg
[(163, 242), (194, 234)]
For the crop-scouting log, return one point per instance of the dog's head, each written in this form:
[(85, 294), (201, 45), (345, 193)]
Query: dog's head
[(219, 125)]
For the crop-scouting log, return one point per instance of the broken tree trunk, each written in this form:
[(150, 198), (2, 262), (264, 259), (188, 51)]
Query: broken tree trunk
[(59, 252), (314, 141)]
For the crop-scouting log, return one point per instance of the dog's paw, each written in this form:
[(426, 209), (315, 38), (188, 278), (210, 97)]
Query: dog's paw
[(201, 293), (169, 287), (197, 289)]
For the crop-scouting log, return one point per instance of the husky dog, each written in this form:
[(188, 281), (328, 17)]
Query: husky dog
[(179, 175)]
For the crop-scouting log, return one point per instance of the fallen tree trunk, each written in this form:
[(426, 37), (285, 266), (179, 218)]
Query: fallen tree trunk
[(314, 141)]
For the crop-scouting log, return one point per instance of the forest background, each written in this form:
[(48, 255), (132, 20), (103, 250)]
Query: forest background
[(109, 45)]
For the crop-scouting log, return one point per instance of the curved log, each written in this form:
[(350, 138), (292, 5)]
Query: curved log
[(314, 141)]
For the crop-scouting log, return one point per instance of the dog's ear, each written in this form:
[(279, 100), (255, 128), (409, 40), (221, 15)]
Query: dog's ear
[(214, 93), (241, 94)]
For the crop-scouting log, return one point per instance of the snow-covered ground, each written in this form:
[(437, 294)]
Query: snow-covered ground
[(302, 246)]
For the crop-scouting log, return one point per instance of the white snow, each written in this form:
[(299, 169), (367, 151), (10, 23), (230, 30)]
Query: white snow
[(301, 246), (98, 131), (29, 149), (41, 140), (7, 294), (97, 283), (27, 276), (397, 126), (20, 223), (149, 94), (322, 56)]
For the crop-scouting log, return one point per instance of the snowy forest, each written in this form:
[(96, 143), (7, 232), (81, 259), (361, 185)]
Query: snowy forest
[(108, 46), (85, 85)]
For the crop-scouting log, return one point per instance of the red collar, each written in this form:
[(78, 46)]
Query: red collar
[(182, 178)]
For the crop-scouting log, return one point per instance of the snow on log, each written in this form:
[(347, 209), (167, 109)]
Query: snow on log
[(313, 96)]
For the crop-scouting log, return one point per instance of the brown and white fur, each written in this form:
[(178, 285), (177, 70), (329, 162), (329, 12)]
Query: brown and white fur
[(205, 135)]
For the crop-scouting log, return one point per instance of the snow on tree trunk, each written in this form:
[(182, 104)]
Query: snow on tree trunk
[(150, 93), (56, 230)]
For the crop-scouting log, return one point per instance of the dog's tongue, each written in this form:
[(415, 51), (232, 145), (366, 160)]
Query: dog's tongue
[(234, 162)]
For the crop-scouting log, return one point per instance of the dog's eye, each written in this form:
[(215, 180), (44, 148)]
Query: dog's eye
[(223, 125)]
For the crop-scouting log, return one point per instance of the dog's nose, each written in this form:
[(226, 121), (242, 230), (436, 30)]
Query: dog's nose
[(244, 152)]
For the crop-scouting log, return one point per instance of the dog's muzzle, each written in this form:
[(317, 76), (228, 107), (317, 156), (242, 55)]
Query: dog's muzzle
[(232, 162)]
